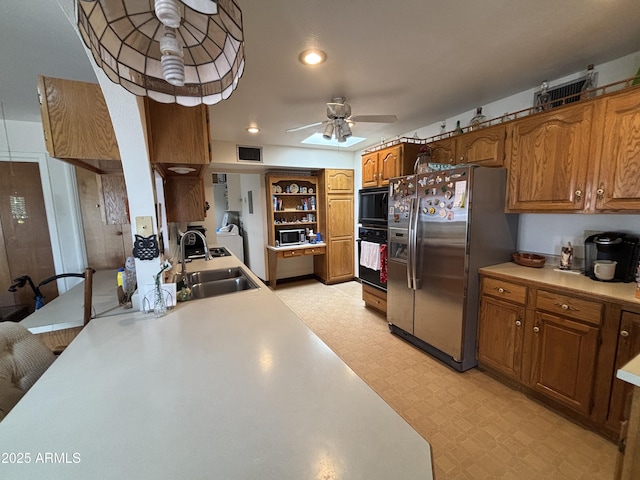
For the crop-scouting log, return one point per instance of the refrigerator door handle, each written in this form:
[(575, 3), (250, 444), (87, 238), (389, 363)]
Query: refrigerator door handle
[(410, 246), (414, 241)]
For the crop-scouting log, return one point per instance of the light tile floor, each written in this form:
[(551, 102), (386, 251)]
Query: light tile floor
[(477, 427)]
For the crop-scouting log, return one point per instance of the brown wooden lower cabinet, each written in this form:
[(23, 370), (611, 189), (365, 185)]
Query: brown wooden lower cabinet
[(374, 298), (560, 347)]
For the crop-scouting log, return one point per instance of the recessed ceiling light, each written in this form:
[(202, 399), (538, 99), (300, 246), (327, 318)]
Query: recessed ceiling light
[(253, 130), (312, 57)]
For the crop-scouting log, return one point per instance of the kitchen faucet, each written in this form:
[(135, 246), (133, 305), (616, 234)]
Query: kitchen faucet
[(207, 255)]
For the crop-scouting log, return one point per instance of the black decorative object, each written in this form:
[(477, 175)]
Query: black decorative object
[(146, 248)]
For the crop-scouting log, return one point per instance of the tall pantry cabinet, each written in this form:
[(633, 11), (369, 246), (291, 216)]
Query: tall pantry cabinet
[(336, 223)]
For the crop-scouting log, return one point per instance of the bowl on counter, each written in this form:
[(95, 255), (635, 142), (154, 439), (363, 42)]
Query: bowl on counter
[(529, 259)]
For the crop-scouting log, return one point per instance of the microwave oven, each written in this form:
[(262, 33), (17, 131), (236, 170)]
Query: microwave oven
[(373, 206), (294, 236)]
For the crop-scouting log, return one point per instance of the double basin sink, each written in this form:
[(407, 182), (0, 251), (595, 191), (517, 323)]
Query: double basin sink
[(211, 283)]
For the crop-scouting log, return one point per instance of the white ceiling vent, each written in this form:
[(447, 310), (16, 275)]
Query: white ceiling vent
[(249, 154)]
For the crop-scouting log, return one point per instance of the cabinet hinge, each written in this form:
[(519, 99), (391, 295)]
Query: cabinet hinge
[(39, 97)]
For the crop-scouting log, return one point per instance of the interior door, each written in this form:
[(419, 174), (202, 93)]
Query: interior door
[(25, 233)]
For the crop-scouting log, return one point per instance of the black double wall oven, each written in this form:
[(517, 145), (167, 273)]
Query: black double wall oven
[(372, 219)]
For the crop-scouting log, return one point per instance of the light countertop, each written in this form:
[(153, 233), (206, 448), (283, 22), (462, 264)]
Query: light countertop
[(296, 247), (66, 310), (230, 387), (609, 291), (631, 372)]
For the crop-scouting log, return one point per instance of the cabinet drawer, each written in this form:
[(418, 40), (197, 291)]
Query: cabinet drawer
[(584, 310), (292, 253), (505, 290), (374, 298), (315, 251)]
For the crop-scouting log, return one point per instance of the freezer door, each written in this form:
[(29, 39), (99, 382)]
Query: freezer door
[(399, 295), (441, 254)]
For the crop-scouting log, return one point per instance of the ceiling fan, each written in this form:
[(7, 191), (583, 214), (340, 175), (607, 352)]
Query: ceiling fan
[(340, 118)]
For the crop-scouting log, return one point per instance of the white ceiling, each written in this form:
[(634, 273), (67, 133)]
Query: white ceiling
[(422, 60)]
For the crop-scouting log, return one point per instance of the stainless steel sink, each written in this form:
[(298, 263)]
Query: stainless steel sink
[(213, 275), (211, 283), (221, 287)]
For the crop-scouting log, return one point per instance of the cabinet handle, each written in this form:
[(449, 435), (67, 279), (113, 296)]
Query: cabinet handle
[(518, 323), (600, 192), (564, 306), (375, 176), (503, 290), (462, 158), (536, 329), (578, 194), (624, 333)]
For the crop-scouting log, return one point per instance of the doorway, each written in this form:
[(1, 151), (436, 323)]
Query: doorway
[(25, 245)]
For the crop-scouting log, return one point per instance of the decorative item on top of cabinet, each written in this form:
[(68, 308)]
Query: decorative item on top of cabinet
[(381, 165), (336, 222), (549, 154), (76, 122), (178, 135)]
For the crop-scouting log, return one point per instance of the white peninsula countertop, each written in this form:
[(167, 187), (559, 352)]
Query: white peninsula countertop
[(229, 387)]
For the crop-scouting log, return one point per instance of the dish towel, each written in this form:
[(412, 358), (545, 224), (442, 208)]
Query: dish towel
[(370, 255), (383, 263)]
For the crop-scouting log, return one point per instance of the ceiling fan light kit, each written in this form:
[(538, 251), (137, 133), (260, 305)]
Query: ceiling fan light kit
[(173, 51), (341, 120)]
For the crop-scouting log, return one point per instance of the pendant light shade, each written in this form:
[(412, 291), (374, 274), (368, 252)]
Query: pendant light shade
[(172, 51)]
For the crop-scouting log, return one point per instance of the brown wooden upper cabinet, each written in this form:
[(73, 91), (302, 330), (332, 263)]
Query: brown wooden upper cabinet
[(76, 122), (548, 158), (483, 147), (616, 186), (178, 135), (580, 158), (379, 166)]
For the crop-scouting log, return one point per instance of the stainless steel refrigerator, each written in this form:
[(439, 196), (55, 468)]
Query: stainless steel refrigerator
[(443, 226)]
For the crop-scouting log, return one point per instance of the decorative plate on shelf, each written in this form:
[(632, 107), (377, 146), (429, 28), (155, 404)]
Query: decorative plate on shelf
[(310, 190), (278, 189), (293, 188)]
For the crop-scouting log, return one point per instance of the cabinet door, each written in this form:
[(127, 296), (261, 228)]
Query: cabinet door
[(114, 199), (339, 181), (618, 186), (548, 157), (628, 348), (500, 335), (76, 121), (443, 151), (107, 244), (370, 170), (184, 197), (389, 164), (564, 359), (483, 147), (177, 134), (340, 238)]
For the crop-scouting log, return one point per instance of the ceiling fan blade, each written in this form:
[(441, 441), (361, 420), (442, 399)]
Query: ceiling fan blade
[(374, 118), (295, 129)]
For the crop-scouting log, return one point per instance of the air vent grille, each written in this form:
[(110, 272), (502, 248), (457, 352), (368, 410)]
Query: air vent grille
[(568, 92)]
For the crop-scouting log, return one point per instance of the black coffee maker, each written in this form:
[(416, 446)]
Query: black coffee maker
[(621, 247)]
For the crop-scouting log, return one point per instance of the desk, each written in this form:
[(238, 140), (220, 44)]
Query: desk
[(276, 253)]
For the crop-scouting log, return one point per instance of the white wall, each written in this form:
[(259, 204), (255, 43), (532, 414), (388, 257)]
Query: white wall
[(254, 222)]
